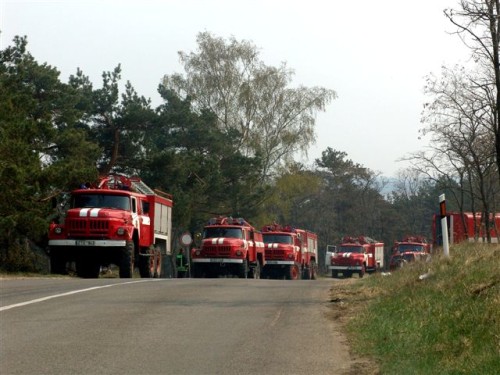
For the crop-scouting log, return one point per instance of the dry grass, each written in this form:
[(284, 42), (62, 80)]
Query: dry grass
[(449, 320)]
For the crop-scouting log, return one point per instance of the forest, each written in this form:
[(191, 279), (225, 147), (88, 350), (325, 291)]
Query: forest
[(225, 141)]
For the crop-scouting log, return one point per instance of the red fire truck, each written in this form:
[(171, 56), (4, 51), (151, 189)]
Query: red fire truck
[(229, 246), (465, 226), (120, 221), (290, 252), (410, 249), (357, 255)]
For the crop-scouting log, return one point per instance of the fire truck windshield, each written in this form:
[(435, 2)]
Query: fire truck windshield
[(278, 238), (410, 247), (350, 249), (215, 232), (120, 202), (406, 257)]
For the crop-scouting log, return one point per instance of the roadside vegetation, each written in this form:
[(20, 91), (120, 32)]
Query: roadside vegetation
[(445, 322)]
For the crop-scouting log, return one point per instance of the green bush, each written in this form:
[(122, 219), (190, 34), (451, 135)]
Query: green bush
[(23, 257)]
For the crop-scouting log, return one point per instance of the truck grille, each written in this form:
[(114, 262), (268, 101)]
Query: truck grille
[(345, 261), (275, 254), (222, 251), (88, 227)]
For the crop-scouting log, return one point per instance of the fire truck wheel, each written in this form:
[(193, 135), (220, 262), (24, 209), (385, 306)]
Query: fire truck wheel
[(362, 272), (314, 270), (147, 264), (335, 274), (127, 260), (293, 273), (243, 269), (307, 273)]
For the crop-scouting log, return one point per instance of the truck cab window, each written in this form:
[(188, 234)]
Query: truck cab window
[(215, 232)]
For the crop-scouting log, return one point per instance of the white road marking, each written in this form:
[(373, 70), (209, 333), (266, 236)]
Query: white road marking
[(8, 307)]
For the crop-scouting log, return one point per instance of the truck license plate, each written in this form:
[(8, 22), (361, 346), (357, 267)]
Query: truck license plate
[(85, 243)]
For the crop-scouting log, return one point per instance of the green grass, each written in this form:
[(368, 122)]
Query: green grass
[(448, 323)]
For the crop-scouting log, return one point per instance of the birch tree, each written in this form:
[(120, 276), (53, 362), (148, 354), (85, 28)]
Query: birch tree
[(273, 119)]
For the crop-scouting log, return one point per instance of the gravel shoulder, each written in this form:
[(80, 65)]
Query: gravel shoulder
[(346, 303)]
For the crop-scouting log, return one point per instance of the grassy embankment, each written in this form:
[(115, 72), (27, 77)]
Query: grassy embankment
[(448, 323)]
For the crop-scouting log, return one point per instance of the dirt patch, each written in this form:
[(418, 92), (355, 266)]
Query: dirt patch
[(347, 302)]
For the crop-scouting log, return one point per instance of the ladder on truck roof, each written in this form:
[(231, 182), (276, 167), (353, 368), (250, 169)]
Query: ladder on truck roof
[(141, 187), (121, 182)]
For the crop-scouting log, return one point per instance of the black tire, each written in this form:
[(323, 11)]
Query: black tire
[(147, 264), (307, 273), (335, 274), (126, 261), (293, 272), (362, 272), (243, 270)]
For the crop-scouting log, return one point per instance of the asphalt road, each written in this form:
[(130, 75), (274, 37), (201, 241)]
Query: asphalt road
[(168, 326)]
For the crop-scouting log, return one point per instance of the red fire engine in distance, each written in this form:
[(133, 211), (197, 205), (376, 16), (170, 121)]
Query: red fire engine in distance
[(409, 249), (291, 253), (357, 255), (230, 246)]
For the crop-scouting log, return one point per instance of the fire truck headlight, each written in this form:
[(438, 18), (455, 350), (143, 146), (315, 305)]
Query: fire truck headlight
[(197, 252), (290, 256), (239, 253), (57, 230), (120, 231)]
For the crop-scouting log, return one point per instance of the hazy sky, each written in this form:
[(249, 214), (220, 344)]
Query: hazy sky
[(374, 54)]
